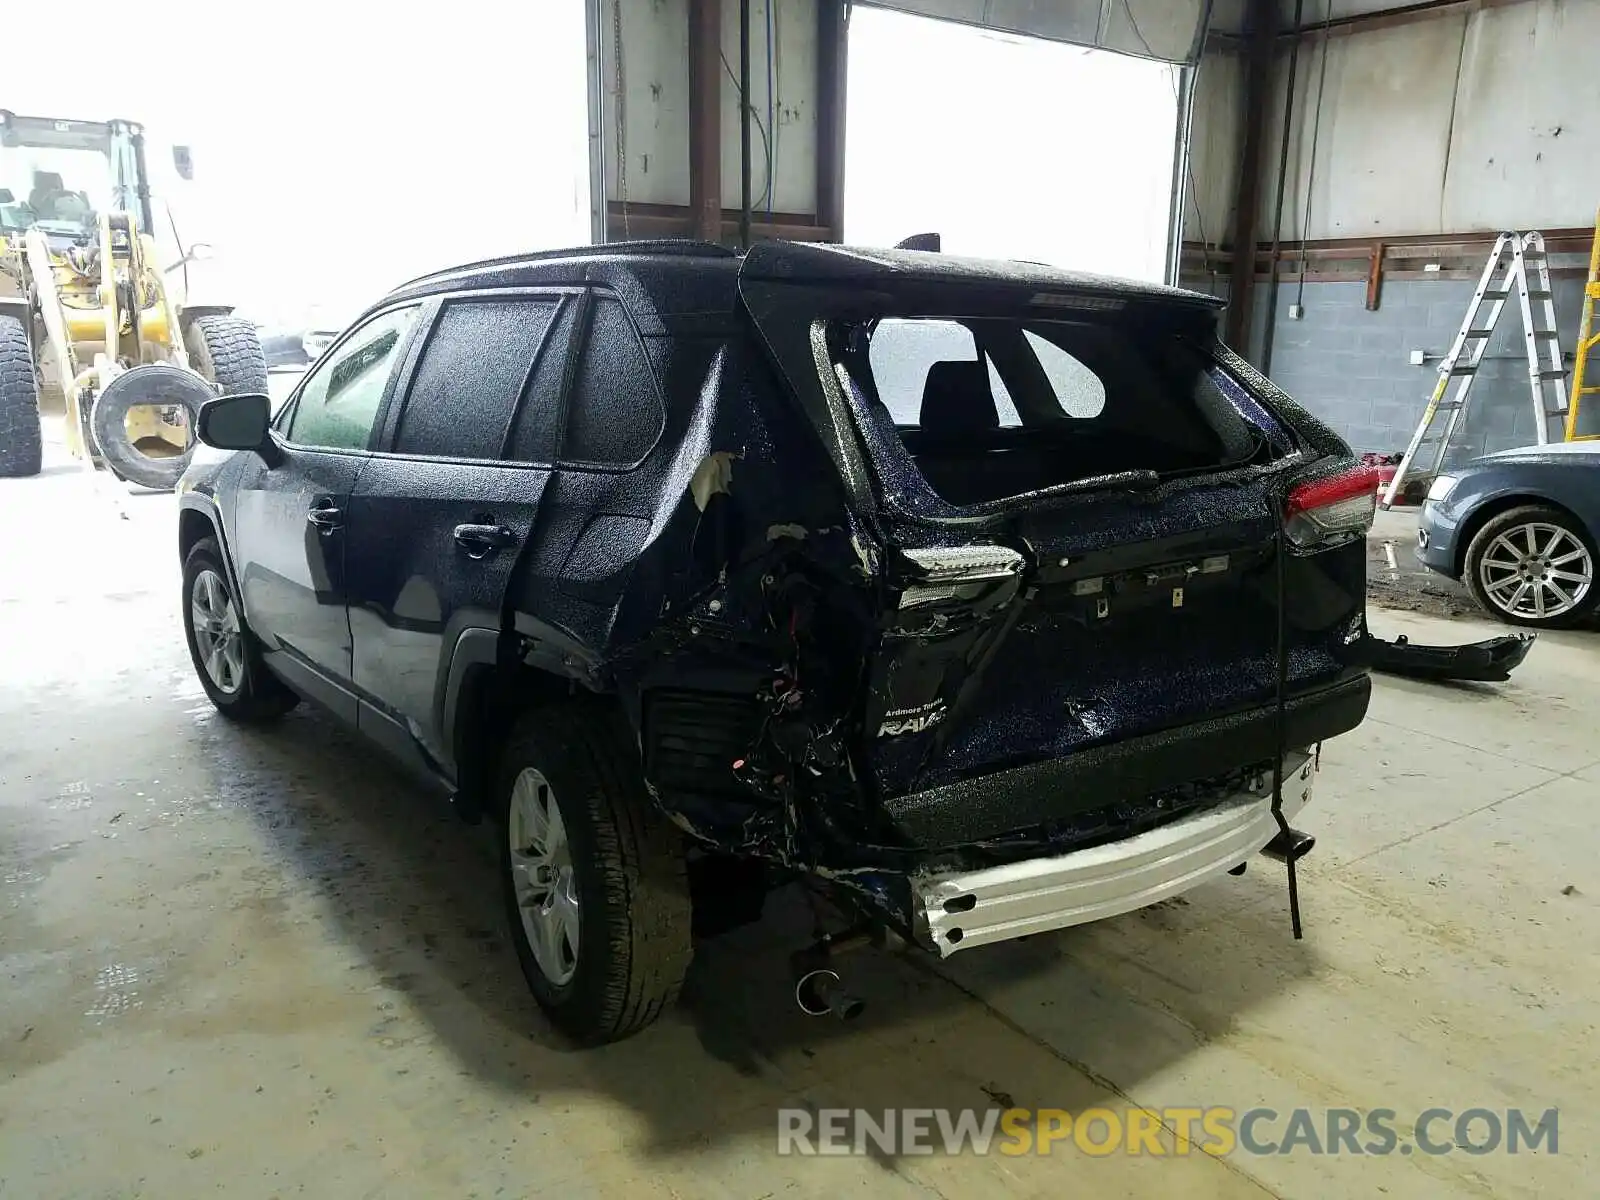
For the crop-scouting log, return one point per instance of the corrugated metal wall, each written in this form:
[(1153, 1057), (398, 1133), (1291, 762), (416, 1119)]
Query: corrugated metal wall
[(1474, 120)]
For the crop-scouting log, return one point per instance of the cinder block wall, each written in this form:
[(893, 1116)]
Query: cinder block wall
[(1352, 367)]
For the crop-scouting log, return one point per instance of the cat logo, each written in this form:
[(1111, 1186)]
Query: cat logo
[(912, 720)]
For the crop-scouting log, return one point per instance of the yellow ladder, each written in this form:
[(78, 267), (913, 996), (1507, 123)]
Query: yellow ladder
[(1580, 428)]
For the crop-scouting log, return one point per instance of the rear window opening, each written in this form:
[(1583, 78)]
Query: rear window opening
[(992, 408)]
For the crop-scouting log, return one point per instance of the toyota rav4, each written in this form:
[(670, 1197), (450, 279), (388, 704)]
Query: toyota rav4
[(980, 598)]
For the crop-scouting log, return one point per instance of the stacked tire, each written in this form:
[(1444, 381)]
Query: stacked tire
[(223, 350), (21, 442)]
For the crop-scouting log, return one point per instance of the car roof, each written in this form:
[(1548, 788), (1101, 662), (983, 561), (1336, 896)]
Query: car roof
[(665, 281)]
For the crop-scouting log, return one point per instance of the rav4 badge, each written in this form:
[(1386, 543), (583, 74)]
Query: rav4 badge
[(911, 720)]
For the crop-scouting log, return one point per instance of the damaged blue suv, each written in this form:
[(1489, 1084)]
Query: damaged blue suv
[(979, 598)]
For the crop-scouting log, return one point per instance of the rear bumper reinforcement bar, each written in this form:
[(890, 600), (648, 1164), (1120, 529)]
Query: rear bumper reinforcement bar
[(959, 909)]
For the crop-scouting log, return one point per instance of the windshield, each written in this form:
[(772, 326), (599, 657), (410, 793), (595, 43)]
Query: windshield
[(61, 189)]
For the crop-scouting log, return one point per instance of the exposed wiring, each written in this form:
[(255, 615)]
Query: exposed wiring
[(1194, 188), (183, 255), (772, 110), (766, 192), (621, 114), (1189, 164), (1127, 8), (1311, 165), (1269, 333)]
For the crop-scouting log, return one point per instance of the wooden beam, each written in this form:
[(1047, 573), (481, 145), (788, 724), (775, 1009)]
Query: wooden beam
[(1263, 16), (1392, 18), (682, 221), (832, 61), (705, 119)]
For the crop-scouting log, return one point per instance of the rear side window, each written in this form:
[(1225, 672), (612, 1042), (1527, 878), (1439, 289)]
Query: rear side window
[(614, 413), (474, 370)]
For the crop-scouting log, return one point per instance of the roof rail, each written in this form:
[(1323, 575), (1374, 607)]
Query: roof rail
[(683, 247)]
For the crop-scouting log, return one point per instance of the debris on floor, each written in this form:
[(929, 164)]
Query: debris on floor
[(1489, 661)]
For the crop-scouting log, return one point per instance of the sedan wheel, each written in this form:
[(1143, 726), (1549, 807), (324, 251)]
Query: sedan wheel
[(542, 877), (1536, 570), (1533, 566)]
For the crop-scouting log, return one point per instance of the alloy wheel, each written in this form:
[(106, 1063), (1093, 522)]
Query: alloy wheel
[(1536, 571), (542, 876), (217, 635)]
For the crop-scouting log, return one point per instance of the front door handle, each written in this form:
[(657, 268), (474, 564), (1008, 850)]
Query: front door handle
[(480, 541), (325, 515)]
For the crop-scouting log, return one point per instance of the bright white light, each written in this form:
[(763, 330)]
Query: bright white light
[(1008, 147), (340, 149)]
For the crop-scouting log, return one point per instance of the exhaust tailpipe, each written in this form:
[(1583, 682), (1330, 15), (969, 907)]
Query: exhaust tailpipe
[(821, 993), (1290, 845)]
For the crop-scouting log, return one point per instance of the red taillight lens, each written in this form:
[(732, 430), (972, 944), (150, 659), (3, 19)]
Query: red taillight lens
[(1336, 506)]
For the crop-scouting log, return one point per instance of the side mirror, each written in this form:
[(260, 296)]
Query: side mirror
[(241, 422), (183, 162)]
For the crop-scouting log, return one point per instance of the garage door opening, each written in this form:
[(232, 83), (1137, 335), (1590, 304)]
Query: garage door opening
[(1008, 147)]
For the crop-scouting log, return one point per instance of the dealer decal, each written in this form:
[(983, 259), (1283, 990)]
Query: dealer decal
[(912, 720)]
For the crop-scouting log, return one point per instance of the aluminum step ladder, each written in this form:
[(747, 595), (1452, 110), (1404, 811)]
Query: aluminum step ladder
[(1517, 264), (1583, 419)]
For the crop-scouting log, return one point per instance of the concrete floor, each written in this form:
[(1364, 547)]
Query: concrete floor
[(259, 964)]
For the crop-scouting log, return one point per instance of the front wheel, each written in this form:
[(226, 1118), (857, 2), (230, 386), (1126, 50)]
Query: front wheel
[(226, 350), (1533, 565), (596, 886), (226, 656), (21, 441)]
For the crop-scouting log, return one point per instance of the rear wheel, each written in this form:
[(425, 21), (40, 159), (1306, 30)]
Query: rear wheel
[(21, 441), (226, 656), (227, 351), (596, 888), (1533, 565)]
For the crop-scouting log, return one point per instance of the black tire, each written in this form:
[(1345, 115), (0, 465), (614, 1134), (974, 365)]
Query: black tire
[(629, 867), (260, 696), (153, 383), (227, 351), (1540, 515), (21, 440)]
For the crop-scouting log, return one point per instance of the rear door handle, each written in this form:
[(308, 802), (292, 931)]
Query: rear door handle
[(325, 515), (480, 541)]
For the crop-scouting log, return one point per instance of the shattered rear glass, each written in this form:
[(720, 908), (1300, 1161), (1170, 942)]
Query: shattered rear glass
[(990, 408)]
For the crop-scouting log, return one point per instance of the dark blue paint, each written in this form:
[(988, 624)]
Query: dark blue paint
[(777, 581)]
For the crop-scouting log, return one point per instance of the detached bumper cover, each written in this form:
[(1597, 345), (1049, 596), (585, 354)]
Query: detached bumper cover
[(973, 908), (1489, 661)]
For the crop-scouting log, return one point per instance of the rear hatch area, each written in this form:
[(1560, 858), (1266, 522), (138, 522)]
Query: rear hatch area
[(1080, 501)]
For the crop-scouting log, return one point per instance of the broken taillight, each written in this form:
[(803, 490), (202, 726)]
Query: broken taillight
[(1336, 507), (953, 572)]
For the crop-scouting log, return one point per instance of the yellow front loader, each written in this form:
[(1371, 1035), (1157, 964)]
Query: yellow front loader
[(87, 322)]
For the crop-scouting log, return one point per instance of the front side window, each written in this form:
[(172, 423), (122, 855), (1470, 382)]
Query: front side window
[(338, 403)]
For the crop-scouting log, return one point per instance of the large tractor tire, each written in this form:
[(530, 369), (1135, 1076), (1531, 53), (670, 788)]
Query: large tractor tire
[(21, 440), (227, 351)]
